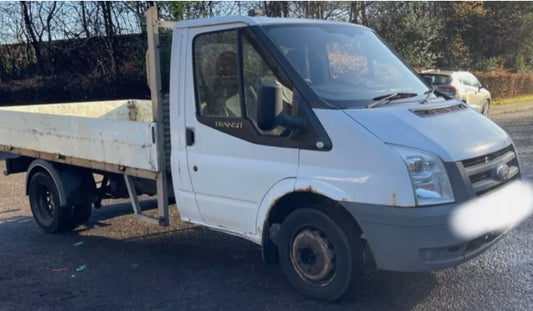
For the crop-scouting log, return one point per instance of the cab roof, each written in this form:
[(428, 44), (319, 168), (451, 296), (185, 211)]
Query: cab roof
[(254, 21)]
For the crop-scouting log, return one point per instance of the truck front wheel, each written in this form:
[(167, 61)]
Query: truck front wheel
[(44, 203), (321, 254)]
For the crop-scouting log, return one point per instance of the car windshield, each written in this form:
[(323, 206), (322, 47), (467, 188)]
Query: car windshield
[(346, 65), (435, 79)]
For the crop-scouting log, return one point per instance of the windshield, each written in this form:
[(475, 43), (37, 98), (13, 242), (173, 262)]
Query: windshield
[(434, 79), (346, 65)]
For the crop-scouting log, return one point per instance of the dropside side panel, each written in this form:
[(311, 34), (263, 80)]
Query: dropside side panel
[(125, 143)]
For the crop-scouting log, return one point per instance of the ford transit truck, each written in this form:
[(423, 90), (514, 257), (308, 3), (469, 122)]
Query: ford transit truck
[(310, 138)]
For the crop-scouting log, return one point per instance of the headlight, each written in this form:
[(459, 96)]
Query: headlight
[(428, 176)]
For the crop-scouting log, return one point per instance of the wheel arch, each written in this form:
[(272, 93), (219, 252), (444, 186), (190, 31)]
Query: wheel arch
[(72, 183), (303, 194)]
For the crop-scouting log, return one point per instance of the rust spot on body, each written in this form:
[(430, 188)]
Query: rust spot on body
[(307, 189)]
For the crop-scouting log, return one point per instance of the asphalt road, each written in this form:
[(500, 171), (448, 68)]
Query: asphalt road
[(117, 263)]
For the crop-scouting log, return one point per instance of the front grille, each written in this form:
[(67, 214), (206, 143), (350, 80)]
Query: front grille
[(488, 157), (491, 170), (438, 110)]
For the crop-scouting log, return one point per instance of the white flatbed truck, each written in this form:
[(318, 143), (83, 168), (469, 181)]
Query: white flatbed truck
[(309, 138)]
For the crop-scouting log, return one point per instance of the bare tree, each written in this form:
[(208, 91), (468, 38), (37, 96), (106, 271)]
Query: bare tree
[(37, 19), (84, 23), (138, 8), (109, 39), (276, 8), (358, 12), (31, 34)]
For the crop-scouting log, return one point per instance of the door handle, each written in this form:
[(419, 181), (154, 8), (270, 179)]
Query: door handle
[(189, 136)]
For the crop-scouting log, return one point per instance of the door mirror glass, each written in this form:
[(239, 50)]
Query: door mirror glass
[(269, 106)]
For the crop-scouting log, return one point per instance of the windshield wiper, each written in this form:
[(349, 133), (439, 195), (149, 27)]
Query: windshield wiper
[(436, 92), (385, 99)]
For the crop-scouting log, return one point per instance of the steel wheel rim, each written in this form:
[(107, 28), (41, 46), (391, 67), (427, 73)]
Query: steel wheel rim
[(313, 256), (46, 203)]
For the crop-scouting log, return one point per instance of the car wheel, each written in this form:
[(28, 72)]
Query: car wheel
[(321, 254), (486, 108)]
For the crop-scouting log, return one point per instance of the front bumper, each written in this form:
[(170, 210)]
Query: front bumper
[(437, 237)]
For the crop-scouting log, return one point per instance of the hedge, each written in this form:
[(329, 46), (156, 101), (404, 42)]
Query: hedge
[(72, 88), (503, 84)]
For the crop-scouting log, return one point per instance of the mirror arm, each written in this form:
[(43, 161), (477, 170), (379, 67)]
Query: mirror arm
[(291, 122)]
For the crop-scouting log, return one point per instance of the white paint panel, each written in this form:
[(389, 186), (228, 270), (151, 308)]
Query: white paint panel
[(453, 136), (131, 109), (118, 142), (185, 197), (277, 191), (361, 166), (233, 176)]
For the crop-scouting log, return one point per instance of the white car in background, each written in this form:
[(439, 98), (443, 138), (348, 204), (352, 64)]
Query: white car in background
[(462, 85)]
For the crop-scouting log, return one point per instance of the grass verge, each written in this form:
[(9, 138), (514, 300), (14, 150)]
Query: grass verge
[(512, 100)]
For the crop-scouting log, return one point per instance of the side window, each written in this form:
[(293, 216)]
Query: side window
[(473, 80), (256, 72), (469, 80), (216, 74), (463, 79), (230, 67)]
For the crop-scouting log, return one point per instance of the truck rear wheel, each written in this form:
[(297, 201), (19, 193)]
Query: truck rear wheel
[(44, 203), (321, 254)]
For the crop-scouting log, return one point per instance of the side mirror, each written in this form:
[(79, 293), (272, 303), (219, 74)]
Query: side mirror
[(269, 106)]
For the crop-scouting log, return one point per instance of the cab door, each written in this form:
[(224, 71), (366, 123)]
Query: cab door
[(232, 164)]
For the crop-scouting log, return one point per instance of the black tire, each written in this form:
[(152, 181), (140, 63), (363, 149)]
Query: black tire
[(81, 214), (486, 108), (44, 203), (321, 254)]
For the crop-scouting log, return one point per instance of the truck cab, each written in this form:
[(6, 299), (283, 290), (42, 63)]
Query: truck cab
[(316, 141)]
